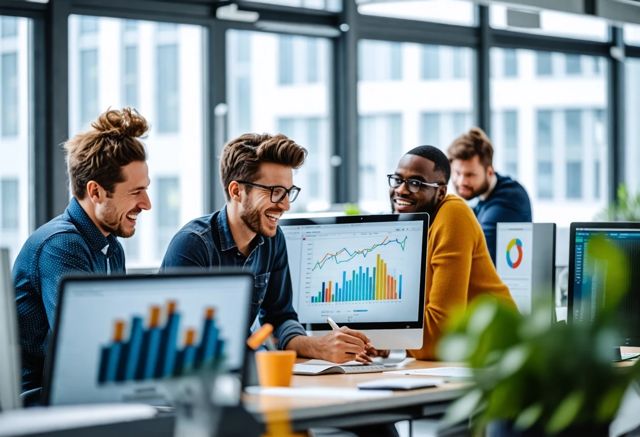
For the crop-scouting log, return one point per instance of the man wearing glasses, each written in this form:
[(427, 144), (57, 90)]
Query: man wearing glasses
[(257, 177), (459, 267)]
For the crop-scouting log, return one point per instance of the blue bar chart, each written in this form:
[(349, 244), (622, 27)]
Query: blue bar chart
[(157, 350)]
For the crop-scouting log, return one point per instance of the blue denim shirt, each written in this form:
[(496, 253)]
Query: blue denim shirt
[(207, 242), (70, 243)]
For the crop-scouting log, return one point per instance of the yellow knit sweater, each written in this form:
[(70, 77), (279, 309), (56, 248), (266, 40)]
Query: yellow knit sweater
[(459, 269)]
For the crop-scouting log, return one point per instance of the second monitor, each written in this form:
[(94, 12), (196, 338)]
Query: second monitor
[(367, 272)]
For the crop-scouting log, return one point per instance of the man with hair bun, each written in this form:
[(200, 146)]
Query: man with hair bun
[(257, 177), (501, 199), (109, 178)]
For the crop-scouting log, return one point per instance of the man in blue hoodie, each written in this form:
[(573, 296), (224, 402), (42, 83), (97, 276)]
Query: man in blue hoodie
[(501, 199)]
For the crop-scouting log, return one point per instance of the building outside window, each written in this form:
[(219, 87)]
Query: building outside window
[(271, 80), (170, 59), (549, 131), (16, 132), (393, 119)]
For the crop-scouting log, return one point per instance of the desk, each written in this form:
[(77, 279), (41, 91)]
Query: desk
[(308, 412), (303, 413)]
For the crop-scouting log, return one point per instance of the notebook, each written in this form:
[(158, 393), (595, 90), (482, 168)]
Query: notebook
[(321, 367)]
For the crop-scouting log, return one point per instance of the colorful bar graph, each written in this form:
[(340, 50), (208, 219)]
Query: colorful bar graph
[(155, 352), (363, 284)]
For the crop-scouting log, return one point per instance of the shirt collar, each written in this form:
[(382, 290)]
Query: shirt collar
[(492, 184), (226, 238), (96, 240)]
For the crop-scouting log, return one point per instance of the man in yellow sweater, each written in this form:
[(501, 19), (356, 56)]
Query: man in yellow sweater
[(459, 267)]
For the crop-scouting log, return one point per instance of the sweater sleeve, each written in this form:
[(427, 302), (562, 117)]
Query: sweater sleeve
[(455, 233)]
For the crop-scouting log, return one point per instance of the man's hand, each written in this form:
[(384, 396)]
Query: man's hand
[(338, 346)]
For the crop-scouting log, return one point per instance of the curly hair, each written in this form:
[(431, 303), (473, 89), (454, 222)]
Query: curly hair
[(242, 156), (100, 153)]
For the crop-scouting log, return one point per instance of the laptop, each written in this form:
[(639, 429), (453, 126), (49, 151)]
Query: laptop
[(122, 338)]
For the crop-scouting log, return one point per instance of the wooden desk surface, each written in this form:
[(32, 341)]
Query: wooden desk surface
[(399, 406)]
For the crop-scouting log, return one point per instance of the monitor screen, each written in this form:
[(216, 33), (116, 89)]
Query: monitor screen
[(116, 338), (586, 292), (367, 272), (525, 261), (9, 347)]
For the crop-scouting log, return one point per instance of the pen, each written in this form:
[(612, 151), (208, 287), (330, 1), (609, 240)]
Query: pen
[(333, 324), (262, 335)]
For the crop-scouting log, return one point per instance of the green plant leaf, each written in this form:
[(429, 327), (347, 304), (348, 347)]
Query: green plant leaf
[(566, 412), (463, 408), (609, 403), (528, 417)]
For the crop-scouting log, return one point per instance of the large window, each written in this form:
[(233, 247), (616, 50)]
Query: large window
[(16, 133), (632, 93), (551, 23), (549, 131), (330, 5), (444, 11), (425, 99), (280, 83), (158, 69)]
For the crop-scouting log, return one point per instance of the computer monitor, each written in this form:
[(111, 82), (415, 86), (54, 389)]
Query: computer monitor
[(118, 337), (525, 260), (9, 346), (367, 272), (586, 293)]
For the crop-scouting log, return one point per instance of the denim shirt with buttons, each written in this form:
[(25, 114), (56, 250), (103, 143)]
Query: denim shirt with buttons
[(69, 244), (207, 242)]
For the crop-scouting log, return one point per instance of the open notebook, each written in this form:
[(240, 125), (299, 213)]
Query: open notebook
[(321, 367)]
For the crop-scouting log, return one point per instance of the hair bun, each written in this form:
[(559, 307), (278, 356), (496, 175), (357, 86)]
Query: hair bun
[(477, 135), (121, 123)]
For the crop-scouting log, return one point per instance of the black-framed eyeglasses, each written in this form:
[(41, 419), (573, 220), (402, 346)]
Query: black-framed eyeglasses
[(278, 192), (413, 185)]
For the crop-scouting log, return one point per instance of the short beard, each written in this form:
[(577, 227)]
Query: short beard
[(251, 217)]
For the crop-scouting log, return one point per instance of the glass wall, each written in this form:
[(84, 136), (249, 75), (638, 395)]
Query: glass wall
[(549, 130), (280, 83), (632, 153), (443, 11), (158, 69), (553, 23), (16, 132), (408, 95)]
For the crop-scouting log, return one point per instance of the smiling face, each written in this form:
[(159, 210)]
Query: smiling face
[(117, 213), (470, 178), (426, 199), (257, 210)]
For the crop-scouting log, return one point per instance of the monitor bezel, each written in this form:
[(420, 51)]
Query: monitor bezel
[(601, 226), (373, 218), (79, 278)]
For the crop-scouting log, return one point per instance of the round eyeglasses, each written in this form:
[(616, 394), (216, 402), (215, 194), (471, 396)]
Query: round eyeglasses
[(413, 185), (278, 192)]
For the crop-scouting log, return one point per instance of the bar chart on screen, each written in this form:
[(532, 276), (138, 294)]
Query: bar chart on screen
[(159, 350), (357, 270)]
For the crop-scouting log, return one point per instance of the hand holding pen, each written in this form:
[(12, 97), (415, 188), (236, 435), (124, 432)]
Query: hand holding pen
[(351, 344)]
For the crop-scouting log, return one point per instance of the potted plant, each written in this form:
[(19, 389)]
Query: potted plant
[(537, 378), (625, 209)]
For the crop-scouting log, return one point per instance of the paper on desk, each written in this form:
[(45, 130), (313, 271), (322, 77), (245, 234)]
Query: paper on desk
[(319, 392), (400, 383), (331, 363), (445, 372)]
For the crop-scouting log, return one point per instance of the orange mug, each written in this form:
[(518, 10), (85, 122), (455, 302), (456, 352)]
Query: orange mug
[(275, 367)]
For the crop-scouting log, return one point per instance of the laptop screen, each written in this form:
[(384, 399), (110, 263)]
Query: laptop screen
[(364, 271), (587, 291), (117, 337)]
